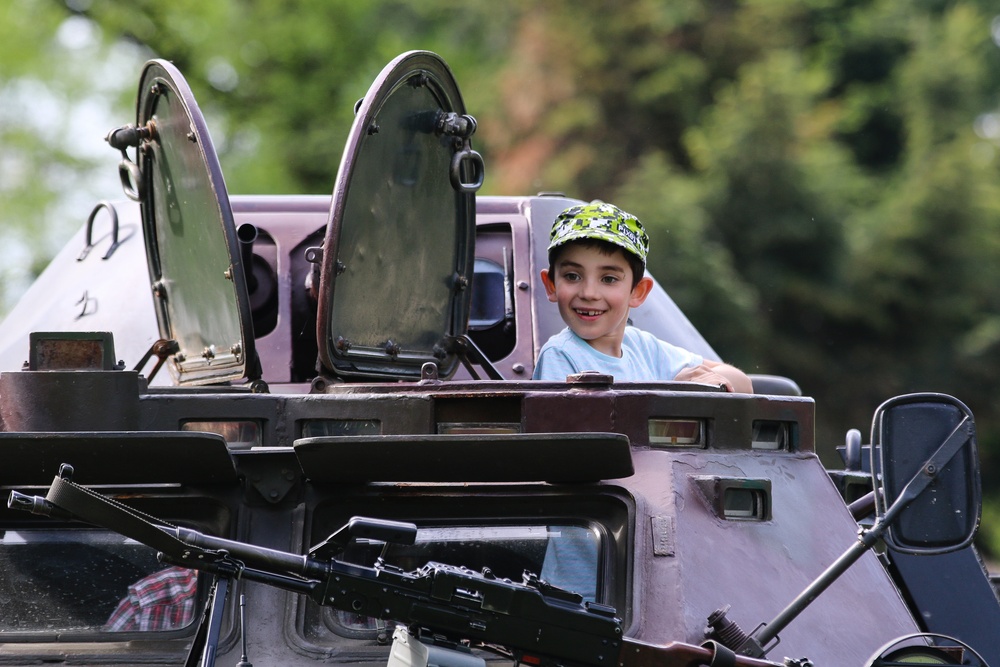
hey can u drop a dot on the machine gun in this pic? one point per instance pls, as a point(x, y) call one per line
point(534, 622)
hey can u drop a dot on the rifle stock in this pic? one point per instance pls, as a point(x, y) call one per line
point(635, 653)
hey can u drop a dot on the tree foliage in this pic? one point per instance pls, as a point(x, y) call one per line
point(820, 178)
point(46, 69)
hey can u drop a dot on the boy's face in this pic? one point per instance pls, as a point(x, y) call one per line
point(594, 293)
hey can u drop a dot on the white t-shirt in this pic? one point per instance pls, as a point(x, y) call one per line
point(645, 358)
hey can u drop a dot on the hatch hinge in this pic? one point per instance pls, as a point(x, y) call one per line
point(162, 350)
point(470, 354)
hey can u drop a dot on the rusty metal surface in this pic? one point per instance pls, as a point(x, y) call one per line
point(71, 351)
point(69, 400)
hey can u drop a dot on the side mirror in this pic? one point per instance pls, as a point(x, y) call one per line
point(925, 460)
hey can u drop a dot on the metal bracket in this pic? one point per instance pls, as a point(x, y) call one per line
point(115, 241)
point(272, 480)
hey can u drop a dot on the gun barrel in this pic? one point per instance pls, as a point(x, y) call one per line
point(269, 560)
point(36, 505)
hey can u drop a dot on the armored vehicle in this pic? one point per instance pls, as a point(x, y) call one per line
point(301, 430)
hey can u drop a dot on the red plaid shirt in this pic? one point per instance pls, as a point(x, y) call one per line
point(163, 600)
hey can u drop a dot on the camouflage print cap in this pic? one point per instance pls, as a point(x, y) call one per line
point(604, 222)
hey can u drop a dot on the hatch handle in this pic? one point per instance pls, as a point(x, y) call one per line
point(128, 174)
point(128, 171)
point(478, 170)
point(462, 127)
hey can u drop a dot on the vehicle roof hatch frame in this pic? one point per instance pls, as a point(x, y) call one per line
point(397, 261)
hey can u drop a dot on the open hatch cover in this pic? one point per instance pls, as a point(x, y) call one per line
point(398, 253)
point(199, 288)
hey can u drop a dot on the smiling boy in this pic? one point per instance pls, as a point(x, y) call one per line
point(596, 274)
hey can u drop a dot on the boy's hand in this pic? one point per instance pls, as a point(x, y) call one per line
point(704, 375)
point(722, 375)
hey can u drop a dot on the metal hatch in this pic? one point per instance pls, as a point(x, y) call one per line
point(199, 288)
point(398, 252)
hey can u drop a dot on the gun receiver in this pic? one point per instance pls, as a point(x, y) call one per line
point(456, 602)
point(537, 623)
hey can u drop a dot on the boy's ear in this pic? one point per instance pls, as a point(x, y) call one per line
point(550, 286)
point(640, 292)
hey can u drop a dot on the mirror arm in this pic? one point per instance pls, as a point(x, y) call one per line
point(755, 644)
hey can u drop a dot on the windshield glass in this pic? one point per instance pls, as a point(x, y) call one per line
point(89, 581)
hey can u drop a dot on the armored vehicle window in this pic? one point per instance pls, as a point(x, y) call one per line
point(491, 316)
point(487, 295)
point(314, 428)
point(578, 543)
point(566, 556)
point(81, 582)
point(239, 433)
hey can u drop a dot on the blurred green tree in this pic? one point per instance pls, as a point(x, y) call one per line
point(820, 178)
point(51, 87)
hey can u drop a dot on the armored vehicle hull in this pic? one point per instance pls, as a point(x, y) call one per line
point(248, 375)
